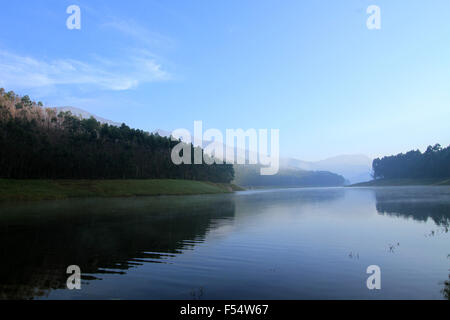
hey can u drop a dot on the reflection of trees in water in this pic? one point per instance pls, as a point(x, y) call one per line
point(101, 236)
point(446, 290)
point(294, 196)
point(419, 206)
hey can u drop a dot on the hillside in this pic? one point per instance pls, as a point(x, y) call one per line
point(42, 143)
point(249, 176)
point(431, 167)
point(434, 163)
point(354, 168)
point(83, 114)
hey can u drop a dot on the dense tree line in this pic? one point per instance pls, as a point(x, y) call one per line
point(433, 163)
point(37, 142)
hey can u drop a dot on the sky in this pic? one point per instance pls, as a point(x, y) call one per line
point(311, 69)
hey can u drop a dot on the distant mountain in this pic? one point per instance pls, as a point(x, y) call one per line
point(249, 176)
point(162, 133)
point(86, 115)
point(355, 168)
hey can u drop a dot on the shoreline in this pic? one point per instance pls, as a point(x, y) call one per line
point(39, 189)
point(403, 182)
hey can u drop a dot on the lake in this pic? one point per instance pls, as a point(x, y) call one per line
point(266, 244)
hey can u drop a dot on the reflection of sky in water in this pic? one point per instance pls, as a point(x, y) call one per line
point(289, 244)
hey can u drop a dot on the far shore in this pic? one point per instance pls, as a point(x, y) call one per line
point(35, 190)
point(403, 182)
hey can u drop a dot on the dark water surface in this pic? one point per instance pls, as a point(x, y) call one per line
point(272, 244)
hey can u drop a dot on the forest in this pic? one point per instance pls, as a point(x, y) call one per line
point(433, 163)
point(40, 143)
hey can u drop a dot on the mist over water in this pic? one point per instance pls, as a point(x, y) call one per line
point(272, 244)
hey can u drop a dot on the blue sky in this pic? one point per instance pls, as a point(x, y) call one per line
point(309, 68)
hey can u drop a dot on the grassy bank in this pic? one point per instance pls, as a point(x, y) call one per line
point(30, 190)
point(403, 182)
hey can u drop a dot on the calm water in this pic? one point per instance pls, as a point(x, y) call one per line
point(272, 244)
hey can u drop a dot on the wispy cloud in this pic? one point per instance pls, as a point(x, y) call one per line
point(142, 36)
point(19, 71)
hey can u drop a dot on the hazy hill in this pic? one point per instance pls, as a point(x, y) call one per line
point(86, 115)
point(355, 168)
point(249, 176)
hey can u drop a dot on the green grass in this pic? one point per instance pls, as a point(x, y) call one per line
point(403, 182)
point(30, 190)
